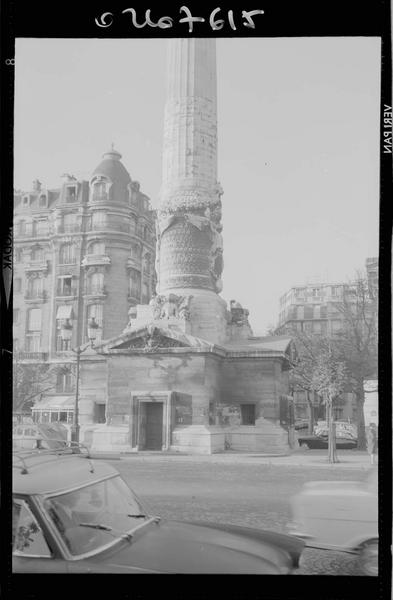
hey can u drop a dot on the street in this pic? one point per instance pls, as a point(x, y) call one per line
point(243, 492)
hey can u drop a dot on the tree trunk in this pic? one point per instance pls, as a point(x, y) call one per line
point(362, 441)
point(332, 452)
point(310, 413)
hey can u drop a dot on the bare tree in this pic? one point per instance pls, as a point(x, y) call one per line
point(30, 381)
point(330, 379)
point(357, 342)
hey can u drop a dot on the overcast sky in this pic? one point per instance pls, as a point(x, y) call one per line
point(298, 145)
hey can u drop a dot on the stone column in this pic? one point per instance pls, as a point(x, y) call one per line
point(189, 244)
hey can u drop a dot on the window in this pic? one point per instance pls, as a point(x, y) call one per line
point(99, 189)
point(95, 311)
point(35, 287)
point(15, 316)
point(41, 227)
point(99, 220)
point(99, 411)
point(17, 285)
point(96, 283)
point(64, 382)
point(22, 227)
point(132, 225)
point(27, 536)
point(323, 312)
point(17, 254)
point(33, 342)
point(145, 293)
point(135, 284)
point(70, 193)
point(97, 248)
point(15, 345)
point(248, 414)
point(308, 312)
point(26, 200)
point(67, 254)
point(315, 291)
point(37, 254)
point(34, 319)
point(316, 327)
point(43, 201)
point(69, 223)
point(64, 286)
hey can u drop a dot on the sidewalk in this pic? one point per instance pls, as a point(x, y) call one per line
point(353, 459)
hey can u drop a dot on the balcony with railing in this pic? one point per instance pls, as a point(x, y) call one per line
point(68, 228)
point(95, 259)
point(36, 295)
point(66, 292)
point(37, 265)
point(35, 356)
point(95, 290)
point(109, 226)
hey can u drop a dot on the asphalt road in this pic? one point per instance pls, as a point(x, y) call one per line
point(251, 494)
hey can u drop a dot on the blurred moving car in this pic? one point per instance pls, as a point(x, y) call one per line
point(44, 435)
point(340, 515)
point(72, 514)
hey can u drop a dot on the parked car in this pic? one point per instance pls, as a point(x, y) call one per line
point(321, 441)
point(32, 435)
point(340, 515)
point(72, 514)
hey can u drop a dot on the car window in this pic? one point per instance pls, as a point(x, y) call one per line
point(27, 536)
point(108, 504)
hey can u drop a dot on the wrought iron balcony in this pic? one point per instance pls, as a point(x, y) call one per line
point(66, 292)
point(37, 265)
point(70, 228)
point(36, 295)
point(39, 356)
point(96, 290)
point(95, 259)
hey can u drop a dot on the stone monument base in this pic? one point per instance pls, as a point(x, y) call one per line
point(198, 439)
point(265, 436)
point(111, 438)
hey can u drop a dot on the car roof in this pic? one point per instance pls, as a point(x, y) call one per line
point(52, 472)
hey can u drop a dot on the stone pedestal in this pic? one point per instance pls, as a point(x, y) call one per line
point(265, 436)
point(198, 439)
point(111, 438)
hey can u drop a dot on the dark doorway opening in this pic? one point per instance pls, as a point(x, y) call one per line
point(154, 418)
point(248, 414)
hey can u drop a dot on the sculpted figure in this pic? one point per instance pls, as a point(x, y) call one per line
point(184, 307)
point(156, 304)
point(169, 307)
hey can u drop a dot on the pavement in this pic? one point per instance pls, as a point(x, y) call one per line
point(297, 458)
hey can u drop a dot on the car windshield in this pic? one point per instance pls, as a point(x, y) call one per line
point(92, 516)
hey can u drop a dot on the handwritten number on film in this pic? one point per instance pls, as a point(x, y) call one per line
point(107, 19)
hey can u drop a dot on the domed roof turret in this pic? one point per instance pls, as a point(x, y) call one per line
point(115, 171)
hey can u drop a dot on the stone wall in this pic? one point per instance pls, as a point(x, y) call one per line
point(182, 372)
point(249, 380)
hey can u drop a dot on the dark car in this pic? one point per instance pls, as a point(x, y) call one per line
point(72, 514)
point(321, 441)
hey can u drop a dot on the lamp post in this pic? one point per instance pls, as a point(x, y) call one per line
point(66, 334)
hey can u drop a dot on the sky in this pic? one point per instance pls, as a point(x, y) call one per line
point(298, 145)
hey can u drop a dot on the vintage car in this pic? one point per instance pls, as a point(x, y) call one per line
point(315, 442)
point(30, 435)
point(72, 514)
point(340, 515)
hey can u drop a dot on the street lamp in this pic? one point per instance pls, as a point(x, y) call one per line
point(66, 335)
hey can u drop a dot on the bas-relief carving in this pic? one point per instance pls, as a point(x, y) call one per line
point(166, 307)
point(198, 263)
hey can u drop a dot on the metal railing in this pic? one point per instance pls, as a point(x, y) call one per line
point(31, 355)
point(35, 295)
point(66, 291)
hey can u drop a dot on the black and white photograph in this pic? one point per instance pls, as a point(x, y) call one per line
point(195, 302)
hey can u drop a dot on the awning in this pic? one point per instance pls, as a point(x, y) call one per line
point(55, 403)
point(64, 311)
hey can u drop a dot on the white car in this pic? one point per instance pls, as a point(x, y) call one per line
point(340, 515)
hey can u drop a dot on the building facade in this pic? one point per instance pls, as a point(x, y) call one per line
point(84, 250)
point(316, 309)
